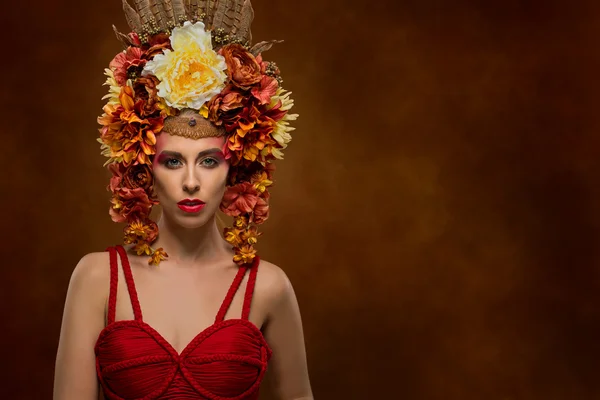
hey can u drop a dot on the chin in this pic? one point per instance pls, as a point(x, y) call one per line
point(191, 221)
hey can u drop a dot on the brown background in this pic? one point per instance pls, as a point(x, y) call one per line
point(438, 209)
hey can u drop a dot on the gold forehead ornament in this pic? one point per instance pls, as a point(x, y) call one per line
point(190, 124)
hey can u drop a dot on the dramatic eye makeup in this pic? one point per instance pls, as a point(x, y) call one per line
point(209, 158)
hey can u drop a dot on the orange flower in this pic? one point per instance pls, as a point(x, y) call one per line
point(250, 235)
point(128, 135)
point(244, 255)
point(142, 248)
point(238, 199)
point(136, 230)
point(261, 181)
point(232, 236)
point(242, 68)
point(240, 222)
point(157, 256)
point(145, 88)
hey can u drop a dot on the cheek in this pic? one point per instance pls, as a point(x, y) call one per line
point(218, 180)
point(163, 184)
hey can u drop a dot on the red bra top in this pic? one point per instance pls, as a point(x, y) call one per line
point(226, 361)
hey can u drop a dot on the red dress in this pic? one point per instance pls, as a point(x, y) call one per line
point(226, 361)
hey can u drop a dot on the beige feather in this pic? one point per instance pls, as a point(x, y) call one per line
point(201, 6)
point(201, 9)
point(159, 13)
point(208, 9)
point(122, 38)
point(245, 22)
point(263, 46)
point(170, 14)
point(193, 9)
point(187, 6)
point(144, 10)
point(224, 14)
point(178, 10)
point(132, 17)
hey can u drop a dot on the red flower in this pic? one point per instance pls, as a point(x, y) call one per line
point(261, 211)
point(139, 176)
point(263, 64)
point(126, 62)
point(229, 99)
point(238, 199)
point(159, 39)
point(266, 89)
point(135, 39)
point(117, 170)
point(130, 204)
point(157, 48)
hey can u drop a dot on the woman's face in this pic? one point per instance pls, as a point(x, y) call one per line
point(189, 178)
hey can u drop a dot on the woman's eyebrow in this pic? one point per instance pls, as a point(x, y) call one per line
point(203, 153)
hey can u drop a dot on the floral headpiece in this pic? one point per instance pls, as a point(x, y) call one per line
point(186, 62)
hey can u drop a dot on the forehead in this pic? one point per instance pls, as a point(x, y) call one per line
point(187, 146)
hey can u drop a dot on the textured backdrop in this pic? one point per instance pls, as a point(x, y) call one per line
point(437, 212)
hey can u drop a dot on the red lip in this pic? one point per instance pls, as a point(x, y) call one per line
point(191, 205)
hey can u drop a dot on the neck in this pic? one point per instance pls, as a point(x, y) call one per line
point(198, 246)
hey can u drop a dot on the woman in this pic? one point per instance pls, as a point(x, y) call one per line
point(194, 119)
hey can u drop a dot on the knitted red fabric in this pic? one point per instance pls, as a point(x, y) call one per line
point(226, 361)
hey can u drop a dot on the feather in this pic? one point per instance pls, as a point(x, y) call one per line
point(159, 13)
point(208, 9)
point(224, 14)
point(242, 28)
point(202, 6)
point(122, 38)
point(193, 9)
point(179, 11)
point(144, 11)
point(170, 15)
point(132, 17)
point(188, 7)
point(201, 9)
point(263, 46)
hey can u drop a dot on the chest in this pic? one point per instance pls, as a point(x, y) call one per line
point(179, 304)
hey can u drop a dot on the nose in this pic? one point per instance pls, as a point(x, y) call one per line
point(190, 183)
point(191, 189)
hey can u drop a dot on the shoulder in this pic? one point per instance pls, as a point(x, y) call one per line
point(91, 275)
point(272, 283)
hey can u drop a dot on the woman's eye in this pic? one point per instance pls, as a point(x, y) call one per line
point(172, 163)
point(209, 162)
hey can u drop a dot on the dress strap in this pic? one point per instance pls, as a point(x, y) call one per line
point(250, 288)
point(137, 311)
point(230, 293)
point(114, 281)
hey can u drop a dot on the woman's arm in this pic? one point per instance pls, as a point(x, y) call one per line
point(83, 319)
point(283, 331)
